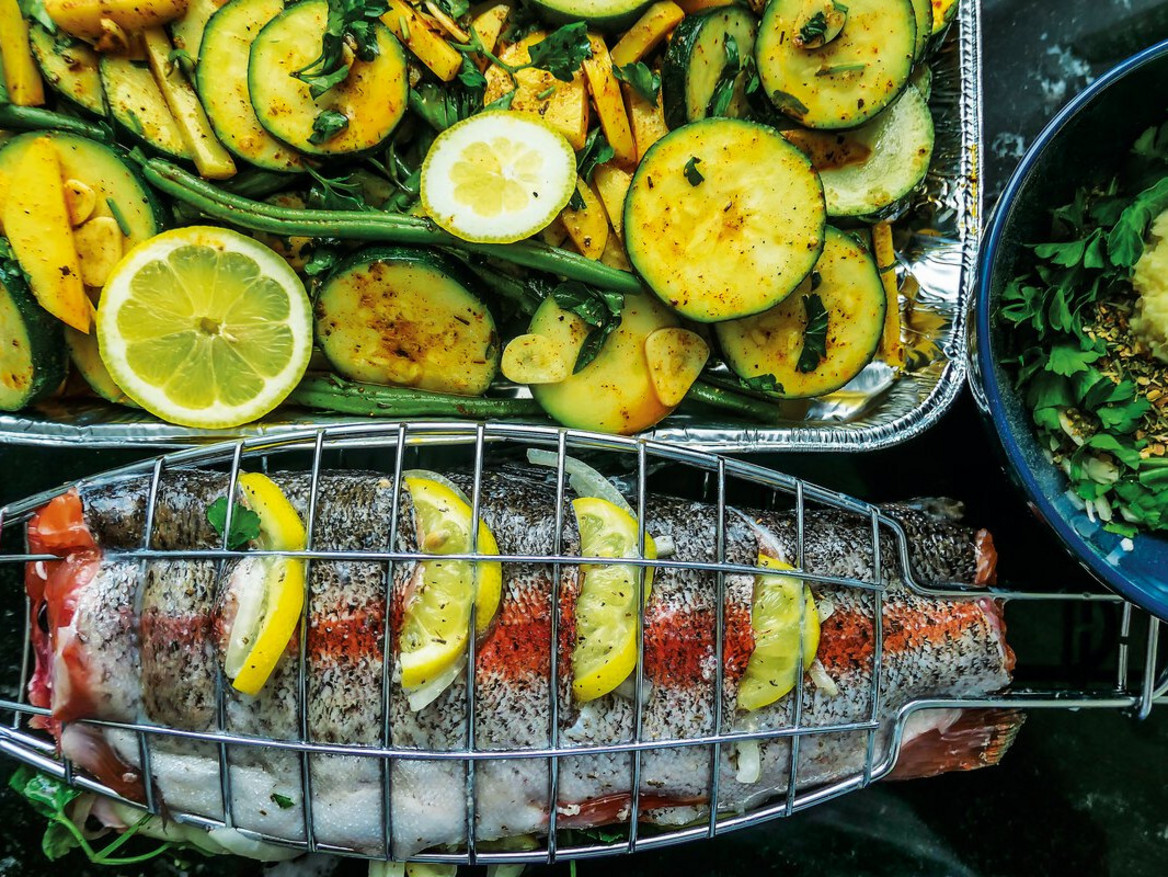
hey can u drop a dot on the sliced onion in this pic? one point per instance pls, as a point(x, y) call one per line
point(582, 478)
point(749, 762)
point(822, 680)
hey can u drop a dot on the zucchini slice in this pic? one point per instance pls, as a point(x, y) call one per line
point(32, 357)
point(923, 14)
point(850, 79)
point(120, 192)
point(704, 49)
point(614, 393)
point(187, 32)
point(69, 66)
point(372, 98)
point(872, 167)
point(723, 219)
point(136, 104)
point(221, 78)
point(389, 315)
point(848, 284)
point(600, 14)
point(86, 359)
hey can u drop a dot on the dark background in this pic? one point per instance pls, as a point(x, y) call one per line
point(1080, 793)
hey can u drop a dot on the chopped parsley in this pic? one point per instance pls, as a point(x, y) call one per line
point(326, 126)
point(814, 336)
point(643, 80)
point(692, 173)
point(245, 524)
point(596, 307)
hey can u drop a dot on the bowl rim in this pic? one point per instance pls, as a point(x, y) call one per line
point(989, 394)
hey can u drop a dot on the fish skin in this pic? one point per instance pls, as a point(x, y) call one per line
point(944, 648)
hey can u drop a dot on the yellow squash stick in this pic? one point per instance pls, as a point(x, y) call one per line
point(648, 121)
point(644, 36)
point(433, 51)
point(614, 119)
point(213, 161)
point(890, 345)
point(21, 76)
point(587, 227)
point(36, 221)
point(612, 185)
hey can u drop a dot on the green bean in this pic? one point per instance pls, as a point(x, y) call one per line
point(36, 119)
point(373, 226)
point(739, 404)
point(525, 299)
point(373, 400)
point(257, 183)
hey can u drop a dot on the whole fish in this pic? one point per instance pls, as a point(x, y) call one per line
point(130, 640)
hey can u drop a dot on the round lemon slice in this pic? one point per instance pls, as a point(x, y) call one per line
point(497, 177)
point(436, 625)
point(607, 613)
point(205, 327)
point(774, 616)
point(273, 594)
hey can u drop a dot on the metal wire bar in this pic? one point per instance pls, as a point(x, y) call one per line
point(891, 568)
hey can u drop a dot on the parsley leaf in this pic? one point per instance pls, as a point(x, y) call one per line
point(597, 150)
point(245, 524)
point(598, 308)
point(692, 173)
point(789, 103)
point(814, 336)
point(282, 801)
point(326, 126)
point(349, 21)
point(1125, 244)
point(562, 52)
point(762, 384)
point(723, 94)
point(643, 80)
point(1067, 359)
point(35, 10)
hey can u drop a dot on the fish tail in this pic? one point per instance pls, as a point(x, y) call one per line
point(974, 738)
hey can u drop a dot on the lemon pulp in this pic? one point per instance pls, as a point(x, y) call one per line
point(775, 614)
point(205, 327)
point(436, 625)
point(607, 608)
point(271, 606)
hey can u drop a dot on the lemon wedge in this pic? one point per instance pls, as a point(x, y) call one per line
point(774, 617)
point(205, 327)
point(607, 613)
point(436, 625)
point(497, 177)
point(270, 604)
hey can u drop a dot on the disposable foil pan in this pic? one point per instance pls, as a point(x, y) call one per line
point(876, 410)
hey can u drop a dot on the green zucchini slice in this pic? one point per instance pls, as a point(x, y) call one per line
point(69, 66)
point(136, 103)
point(600, 14)
point(923, 15)
point(389, 315)
point(32, 355)
point(848, 285)
point(850, 79)
point(86, 359)
point(705, 49)
point(723, 219)
point(613, 393)
point(222, 81)
point(121, 193)
point(187, 32)
point(372, 98)
point(872, 167)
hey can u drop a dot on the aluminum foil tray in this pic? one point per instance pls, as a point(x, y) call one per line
point(937, 240)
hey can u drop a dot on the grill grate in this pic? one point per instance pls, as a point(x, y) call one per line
point(1135, 681)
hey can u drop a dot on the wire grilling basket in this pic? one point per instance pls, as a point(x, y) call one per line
point(1108, 658)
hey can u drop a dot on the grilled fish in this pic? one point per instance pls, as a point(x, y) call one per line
point(129, 640)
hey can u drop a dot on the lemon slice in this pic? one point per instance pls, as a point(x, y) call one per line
point(271, 602)
point(607, 614)
point(437, 614)
point(774, 616)
point(497, 177)
point(204, 327)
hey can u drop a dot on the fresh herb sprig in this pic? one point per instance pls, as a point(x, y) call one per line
point(245, 524)
point(1090, 392)
point(351, 24)
point(814, 336)
point(560, 53)
point(598, 308)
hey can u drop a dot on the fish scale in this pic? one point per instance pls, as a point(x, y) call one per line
point(934, 647)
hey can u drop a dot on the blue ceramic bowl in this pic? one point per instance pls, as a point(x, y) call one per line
point(1088, 138)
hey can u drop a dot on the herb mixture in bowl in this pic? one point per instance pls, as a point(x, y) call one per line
point(1090, 351)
